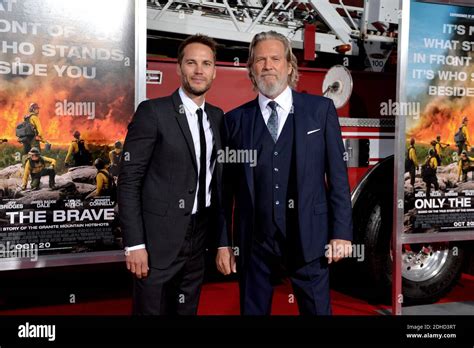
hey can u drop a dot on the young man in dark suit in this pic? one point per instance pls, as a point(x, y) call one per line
point(168, 186)
point(292, 211)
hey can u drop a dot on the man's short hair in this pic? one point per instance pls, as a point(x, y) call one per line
point(198, 38)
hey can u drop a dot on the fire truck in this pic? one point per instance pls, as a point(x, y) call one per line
point(332, 30)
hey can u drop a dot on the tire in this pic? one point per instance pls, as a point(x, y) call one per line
point(421, 284)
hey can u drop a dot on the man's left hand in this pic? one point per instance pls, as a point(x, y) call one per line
point(338, 249)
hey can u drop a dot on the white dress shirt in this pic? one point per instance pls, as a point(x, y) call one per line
point(190, 109)
point(284, 105)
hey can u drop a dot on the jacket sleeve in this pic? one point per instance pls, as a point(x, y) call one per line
point(138, 151)
point(226, 208)
point(339, 199)
point(52, 161)
point(37, 124)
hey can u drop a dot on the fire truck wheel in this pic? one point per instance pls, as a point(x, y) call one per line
point(428, 271)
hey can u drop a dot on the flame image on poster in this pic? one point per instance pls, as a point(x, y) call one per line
point(67, 76)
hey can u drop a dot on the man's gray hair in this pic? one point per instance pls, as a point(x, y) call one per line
point(290, 57)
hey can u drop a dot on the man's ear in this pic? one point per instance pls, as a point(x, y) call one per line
point(178, 69)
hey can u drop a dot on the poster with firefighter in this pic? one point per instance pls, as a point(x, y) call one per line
point(67, 77)
point(439, 105)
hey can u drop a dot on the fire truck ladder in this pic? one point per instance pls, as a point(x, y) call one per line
point(337, 25)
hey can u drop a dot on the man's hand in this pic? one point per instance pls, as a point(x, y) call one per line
point(338, 249)
point(137, 262)
point(23, 188)
point(225, 261)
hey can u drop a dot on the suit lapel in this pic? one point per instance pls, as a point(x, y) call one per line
point(183, 124)
point(217, 141)
point(301, 125)
point(248, 123)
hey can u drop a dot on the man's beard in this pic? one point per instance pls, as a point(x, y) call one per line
point(197, 92)
point(270, 88)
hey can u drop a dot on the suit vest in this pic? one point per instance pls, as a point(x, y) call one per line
point(275, 180)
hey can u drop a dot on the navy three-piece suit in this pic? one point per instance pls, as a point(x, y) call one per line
point(281, 213)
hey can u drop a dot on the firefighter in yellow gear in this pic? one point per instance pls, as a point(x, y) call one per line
point(103, 180)
point(465, 165)
point(428, 172)
point(115, 156)
point(412, 161)
point(463, 143)
point(33, 118)
point(440, 146)
point(36, 167)
point(78, 151)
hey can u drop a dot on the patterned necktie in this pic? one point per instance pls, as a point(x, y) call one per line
point(272, 123)
point(202, 164)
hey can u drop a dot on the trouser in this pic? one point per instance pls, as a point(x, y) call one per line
point(176, 289)
point(36, 178)
point(431, 181)
point(310, 281)
point(28, 144)
point(412, 175)
point(461, 146)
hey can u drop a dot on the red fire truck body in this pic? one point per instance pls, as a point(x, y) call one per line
point(368, 131)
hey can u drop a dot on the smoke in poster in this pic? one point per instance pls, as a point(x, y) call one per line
point(67, 73)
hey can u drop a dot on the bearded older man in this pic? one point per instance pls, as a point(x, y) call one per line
point(292, 211)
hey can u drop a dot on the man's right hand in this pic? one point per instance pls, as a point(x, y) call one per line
point(225, 261)
point(137, 262)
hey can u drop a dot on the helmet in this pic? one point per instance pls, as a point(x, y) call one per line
point(118, 144)
point(76, 134)
point(33, 107)
point(99, 163)
point(34, 151)
point(464, 119)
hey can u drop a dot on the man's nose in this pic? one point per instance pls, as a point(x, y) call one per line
point(198, 69)
point(267, 64)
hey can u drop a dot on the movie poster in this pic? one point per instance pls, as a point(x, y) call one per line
point(439, 90)
point(67, 77)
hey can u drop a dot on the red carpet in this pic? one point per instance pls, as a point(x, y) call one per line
point(222, 299)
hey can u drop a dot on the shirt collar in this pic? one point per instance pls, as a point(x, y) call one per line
point(189, 103)
point(284, 100)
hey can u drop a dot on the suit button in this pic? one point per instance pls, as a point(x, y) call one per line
point(191, 191)
point(275, 169)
